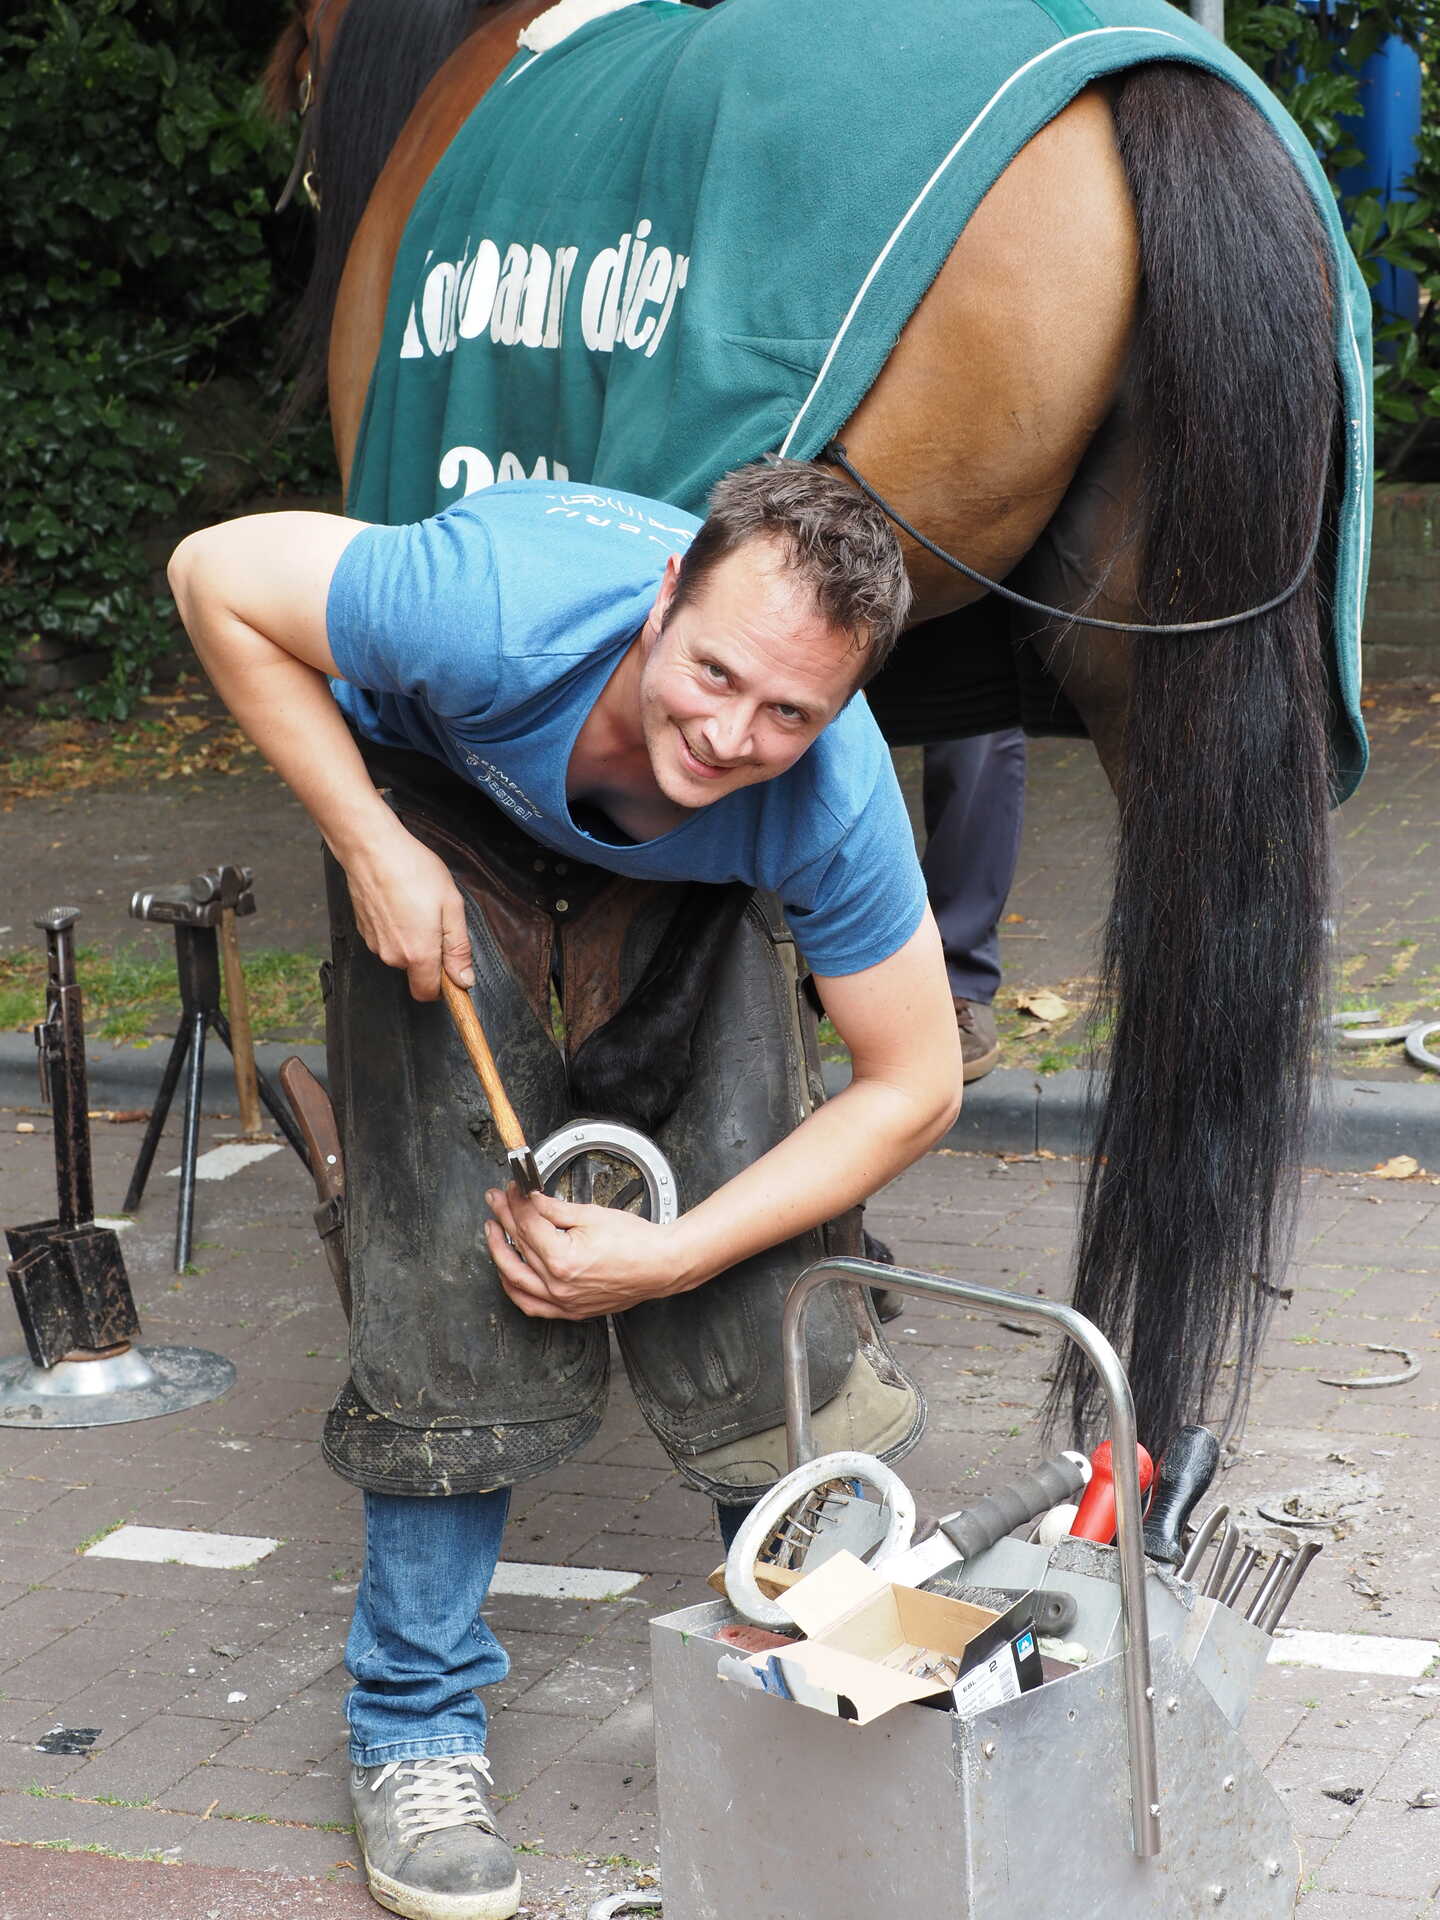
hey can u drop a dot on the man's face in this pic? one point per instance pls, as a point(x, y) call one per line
point(737, 682)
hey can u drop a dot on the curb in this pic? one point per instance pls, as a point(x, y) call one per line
point(1356, 1123)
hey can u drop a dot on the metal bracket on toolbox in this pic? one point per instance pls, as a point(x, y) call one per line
point(1130, 1544)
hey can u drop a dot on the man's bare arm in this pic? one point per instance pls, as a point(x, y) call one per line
point(253, 596)
point(898, 1021)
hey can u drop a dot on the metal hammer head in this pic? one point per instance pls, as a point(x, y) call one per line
point(198, 902)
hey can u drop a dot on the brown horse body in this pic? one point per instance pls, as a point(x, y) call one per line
point(1024, 422)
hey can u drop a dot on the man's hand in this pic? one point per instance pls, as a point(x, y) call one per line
point(409, 911)
point(573, 1262)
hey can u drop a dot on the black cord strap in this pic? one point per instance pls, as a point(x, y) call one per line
point(835, 453)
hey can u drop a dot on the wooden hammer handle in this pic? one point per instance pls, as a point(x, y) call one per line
point(467, 1021)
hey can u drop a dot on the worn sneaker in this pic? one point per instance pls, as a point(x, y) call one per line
point(979, 1041)
point(428, 1839)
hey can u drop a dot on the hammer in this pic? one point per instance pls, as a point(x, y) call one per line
point(523, 1170)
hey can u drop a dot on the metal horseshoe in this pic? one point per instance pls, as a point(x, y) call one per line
point(560, 1151)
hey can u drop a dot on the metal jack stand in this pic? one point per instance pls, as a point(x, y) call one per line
point(196, 909)
point(68, 1275)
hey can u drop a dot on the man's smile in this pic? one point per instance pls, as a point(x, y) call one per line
point(696, 763)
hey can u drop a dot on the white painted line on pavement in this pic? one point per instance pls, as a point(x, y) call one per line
point(220, 1162)
point(561, 1583)
point(1354, 1652)
point(177, 1543)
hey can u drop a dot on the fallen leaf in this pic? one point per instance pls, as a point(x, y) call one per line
point(1018, 919)
point(1404, 1166)
point(1043, 1004)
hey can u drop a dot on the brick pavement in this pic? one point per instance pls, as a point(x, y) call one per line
point(248, 1794)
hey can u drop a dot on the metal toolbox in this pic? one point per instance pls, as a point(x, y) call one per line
point(1122, 1792)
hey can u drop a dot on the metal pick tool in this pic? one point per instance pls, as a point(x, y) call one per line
point(1230, 1540)
point(1200, 1545)
point(1271, 1620)
point(1269, 1587)
point(1235, 1584)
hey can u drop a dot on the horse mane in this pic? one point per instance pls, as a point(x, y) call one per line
point(1215, 979)
point(384, 55)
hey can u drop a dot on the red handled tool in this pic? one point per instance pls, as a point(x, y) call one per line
point(1096, 1518)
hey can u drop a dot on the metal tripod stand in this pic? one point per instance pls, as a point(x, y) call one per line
point(83, 1368)
point(195, 909)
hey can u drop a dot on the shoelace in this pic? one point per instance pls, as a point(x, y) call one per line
point(438, 1791)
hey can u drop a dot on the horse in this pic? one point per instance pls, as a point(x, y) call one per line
point(1071, 407)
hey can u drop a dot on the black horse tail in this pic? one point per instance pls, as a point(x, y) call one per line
point(1214, 966)
point(384, 55)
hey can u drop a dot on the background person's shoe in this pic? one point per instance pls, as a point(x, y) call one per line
point(429, 1842)
point(979, 1041)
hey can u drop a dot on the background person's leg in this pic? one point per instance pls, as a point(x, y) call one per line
point(418, 1645)
point(974, 801)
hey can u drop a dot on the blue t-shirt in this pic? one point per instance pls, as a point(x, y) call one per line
point(484, 636)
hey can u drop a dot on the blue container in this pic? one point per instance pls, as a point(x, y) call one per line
point(1387, 132)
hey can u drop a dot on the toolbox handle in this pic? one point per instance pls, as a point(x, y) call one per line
point(1129, 1537)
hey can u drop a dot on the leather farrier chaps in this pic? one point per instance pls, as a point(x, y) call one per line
point(452, 1388)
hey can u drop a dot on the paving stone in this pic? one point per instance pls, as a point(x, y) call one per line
point(226, 1790)
point(21, 1766)
point(568, 1803)
point(584, 1687)
point(1388, 1850)
point(36, 1620)
point(317, 1799)
point(292, 1739)
point(522, 1745)
point(626, 1736)
point(1301, 1775)
point(117, 1704)
point(1356, 1906)
point(145, 1763)
point(46, 1822)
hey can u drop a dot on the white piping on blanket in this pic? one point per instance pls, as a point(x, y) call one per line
point(1356, 422)
point(557, 23)
point(1091, 33)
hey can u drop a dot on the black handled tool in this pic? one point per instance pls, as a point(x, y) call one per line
point(1184, 1477)
point(961, 1536)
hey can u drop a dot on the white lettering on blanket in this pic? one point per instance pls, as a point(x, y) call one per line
point(519, 298)
point(470, 469)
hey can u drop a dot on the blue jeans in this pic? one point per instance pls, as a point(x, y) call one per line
point(418, 1646)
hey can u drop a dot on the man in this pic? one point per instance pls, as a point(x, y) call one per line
point(548, 688)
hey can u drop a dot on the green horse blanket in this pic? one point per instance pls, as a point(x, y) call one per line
point(677, 240)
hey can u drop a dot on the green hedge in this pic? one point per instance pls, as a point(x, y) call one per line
point(139, 288)
point(145, 284)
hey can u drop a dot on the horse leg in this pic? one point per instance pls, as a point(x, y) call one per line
point(1089, 556)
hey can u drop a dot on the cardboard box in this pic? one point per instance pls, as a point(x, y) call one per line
point(864, 1635)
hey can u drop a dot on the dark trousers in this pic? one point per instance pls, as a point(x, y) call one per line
point(974, 797)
